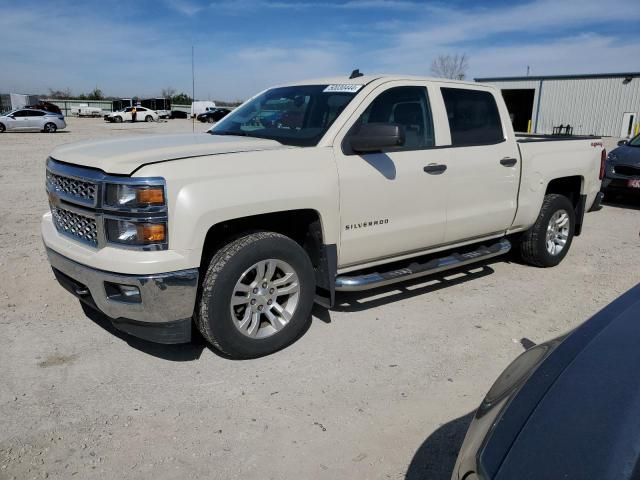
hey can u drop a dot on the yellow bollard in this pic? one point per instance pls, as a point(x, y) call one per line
point(529, 126)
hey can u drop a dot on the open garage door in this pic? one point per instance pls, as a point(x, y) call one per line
point(520, 105)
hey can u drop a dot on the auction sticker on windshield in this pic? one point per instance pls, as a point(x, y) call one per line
point(342, 88)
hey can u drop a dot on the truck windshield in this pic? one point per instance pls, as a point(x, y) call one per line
point(296, 115)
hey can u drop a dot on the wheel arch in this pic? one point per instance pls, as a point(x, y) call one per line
point(304, 226)
point(571, 187)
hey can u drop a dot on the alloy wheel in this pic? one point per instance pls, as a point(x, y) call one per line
point(265, 298)
point(557, 232)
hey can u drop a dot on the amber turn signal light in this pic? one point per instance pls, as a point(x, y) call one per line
point(150, 196)
point(151, 233)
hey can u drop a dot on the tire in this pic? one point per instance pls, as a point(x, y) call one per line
point(537, 243)
point(148, 118)
point(50, 127)
point(117, 119)
point(210, 120)
point(2, 128)
point(232, 267)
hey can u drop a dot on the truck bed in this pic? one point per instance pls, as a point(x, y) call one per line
point(535, 137)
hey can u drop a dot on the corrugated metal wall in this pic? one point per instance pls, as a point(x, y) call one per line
point(590, 105)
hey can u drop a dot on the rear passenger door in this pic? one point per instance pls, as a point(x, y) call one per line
point(483, 165)
point(35, 119)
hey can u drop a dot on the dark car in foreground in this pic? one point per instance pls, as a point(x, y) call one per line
point(213, 115)
point(565, 409)
point(622, 173)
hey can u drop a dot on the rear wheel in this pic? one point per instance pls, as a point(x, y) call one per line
point(548, 241)
point(50, 127)
point(210, 120)
point(256, 296)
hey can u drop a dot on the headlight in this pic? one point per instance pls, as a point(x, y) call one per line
point(131, 197)
point(136, 233)
point(612, 157)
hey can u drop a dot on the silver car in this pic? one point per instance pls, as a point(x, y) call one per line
point(31, 119)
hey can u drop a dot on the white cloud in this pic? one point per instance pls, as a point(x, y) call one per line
point(186, 7)
point(123, 57)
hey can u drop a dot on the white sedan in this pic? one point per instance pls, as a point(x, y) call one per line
point(142, 114)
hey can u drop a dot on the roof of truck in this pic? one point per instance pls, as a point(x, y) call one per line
point(365, 79)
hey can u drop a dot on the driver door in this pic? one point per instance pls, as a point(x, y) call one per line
point(390, 204)
point(20, 121)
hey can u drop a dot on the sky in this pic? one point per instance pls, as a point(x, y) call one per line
point(130, 47)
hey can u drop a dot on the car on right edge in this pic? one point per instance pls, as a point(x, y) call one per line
point(564, 409)
point(622, 173)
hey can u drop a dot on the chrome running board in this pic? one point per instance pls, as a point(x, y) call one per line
point(354, 283)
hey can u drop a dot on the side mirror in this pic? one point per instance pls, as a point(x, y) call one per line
point(622, 142)
point(373, 137)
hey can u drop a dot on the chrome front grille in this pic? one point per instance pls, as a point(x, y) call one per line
point(79, 208)
point(81, 227)
point(80, 190)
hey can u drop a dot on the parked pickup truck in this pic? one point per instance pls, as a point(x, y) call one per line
point(307, 189)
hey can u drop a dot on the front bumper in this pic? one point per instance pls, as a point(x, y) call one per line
point(161, 311)
point(618, 184)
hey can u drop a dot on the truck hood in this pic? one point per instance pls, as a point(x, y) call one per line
point(125, 155)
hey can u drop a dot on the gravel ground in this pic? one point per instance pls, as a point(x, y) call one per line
point(380, 387)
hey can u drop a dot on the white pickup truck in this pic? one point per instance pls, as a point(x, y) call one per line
point(307, 189)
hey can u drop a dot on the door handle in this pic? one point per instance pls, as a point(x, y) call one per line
point(435, 168)
point(508, 161)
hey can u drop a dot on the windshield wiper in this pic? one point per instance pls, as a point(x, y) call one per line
point(236, 134)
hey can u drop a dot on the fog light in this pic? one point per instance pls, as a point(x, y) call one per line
point(122, 293)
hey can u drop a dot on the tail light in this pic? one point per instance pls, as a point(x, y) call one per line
point(603, 163)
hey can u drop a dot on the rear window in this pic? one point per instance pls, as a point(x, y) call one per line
point(473, 117)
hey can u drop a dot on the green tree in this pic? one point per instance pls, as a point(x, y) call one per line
point(60, 94)
point(168, 92)
point(181, 99)
point(96, 94)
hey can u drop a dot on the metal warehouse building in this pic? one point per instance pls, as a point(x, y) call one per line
point(606, 104)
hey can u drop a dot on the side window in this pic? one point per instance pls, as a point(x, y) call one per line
point(405, 106)
point(128, 109)
point(35, 113)
point(473, 117)
point(20, 113)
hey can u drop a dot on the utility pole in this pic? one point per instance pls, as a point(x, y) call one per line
point(528, 70)
point(193, 90)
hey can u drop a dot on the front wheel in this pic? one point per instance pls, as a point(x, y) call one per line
point(256, 296)
point(148, 118)
point(2, 128)
point(210, 120)
point(548, 241)
point(117, 119)
point(50, 127)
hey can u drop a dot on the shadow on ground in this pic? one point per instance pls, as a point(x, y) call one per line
point(436, 457)
point(358, 301)
point(623, 201)
point(345, 302)
point(184, 352)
